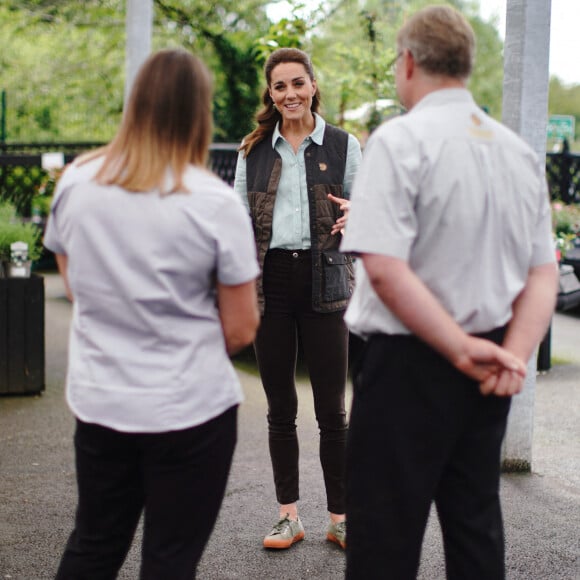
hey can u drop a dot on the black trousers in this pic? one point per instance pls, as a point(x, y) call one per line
point(178, 478)
point(420, 431)
point(324, 337)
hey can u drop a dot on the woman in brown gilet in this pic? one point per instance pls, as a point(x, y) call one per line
point(294, 173)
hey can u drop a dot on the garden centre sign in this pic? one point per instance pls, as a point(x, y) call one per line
point(561, 127)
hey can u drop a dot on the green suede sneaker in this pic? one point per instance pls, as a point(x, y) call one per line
point(337, 533)
point(285, 533)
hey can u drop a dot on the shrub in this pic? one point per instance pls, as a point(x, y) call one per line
point(14, 229)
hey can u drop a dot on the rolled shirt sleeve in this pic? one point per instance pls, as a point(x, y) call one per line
point(240, 181)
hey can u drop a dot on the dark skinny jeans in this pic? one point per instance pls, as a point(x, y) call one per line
point(324, 338)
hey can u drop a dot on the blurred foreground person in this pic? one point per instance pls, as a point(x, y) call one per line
point(159, 258)
point(455, 289)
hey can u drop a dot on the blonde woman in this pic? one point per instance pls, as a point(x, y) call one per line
point(158, 256)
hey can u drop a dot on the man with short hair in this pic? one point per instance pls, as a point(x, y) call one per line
point(455, 288)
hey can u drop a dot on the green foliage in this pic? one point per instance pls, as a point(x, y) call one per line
point(283, 34)
point(17, 185)
point(62, 70)
point(354, 50)
point(229, 51)
point(13, 229)
point(565, 100)
point(565, 225)
point(61, 76)
point(62, 63)
point(41, 205)
point(42, 200)
point(565, 218)
point(486, 81)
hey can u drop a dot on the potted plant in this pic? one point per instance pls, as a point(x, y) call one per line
point(566, 226)
point(14, 229)
point(42, 199)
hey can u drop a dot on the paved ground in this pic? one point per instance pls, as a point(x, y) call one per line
point(37, 484)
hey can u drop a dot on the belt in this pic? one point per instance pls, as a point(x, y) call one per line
point(289, 253)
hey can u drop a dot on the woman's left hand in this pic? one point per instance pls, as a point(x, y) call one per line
point(340, 223)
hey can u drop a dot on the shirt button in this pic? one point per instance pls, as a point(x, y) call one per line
point(294, 254)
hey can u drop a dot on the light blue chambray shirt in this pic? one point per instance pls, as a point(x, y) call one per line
point(291, 219)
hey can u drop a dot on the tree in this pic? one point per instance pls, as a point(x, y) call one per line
point(487, 80)
point(565, 100)
point(354, 50)
point(62, 63)
point(66, 55)
point(224, 32)
point(352, 55)
point(62, 75)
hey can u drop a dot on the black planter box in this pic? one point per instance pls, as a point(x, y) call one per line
point(21, 335)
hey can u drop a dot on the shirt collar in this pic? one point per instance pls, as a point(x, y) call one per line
point(317, 134)
point(443, 97)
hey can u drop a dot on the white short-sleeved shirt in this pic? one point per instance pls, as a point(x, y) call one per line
point(459, 197)
point(147, 352)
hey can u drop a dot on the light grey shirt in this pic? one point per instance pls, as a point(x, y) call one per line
point(291, 219)
point(147, 352)
point(459, 197)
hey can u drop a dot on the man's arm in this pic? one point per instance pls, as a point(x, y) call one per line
point(403, 292)
point(532, 312)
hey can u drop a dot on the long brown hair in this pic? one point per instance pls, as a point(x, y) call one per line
point(167, 124)
point(268, 116)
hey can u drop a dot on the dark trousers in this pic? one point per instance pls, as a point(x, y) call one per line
point(178, 478)
point(324, 337)
point(420, 431)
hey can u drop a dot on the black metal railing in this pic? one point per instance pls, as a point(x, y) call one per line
point(563, 173)
point(222, 160)
point(22, 175)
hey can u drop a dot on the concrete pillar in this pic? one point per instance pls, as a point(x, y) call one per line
point(525, 110)
point(139, 26)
